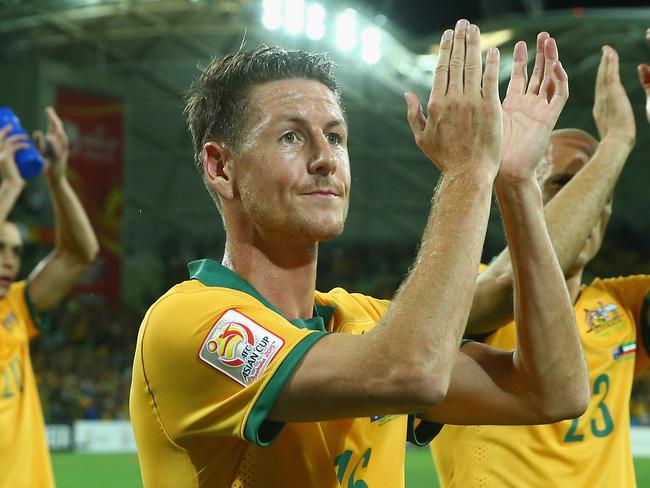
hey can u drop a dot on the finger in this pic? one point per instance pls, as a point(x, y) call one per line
point(473, 63)
point(491, 76)
point(519, 75)
point(561, 81)
point(414, 114)
point(551, 56)
point(644, 77)
point(611, 73)
point(16, 138)
point(647, 35)
point(441, 78)
point(4, 131)
point(17, 146)
point(457, 61)
point(602, 69)
point(54, 124)
point(39, 141)
point(538, 69)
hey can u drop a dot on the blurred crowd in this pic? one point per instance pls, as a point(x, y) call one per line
point(84, 355)
point(83, 360)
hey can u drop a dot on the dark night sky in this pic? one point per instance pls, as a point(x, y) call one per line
point(423, 16)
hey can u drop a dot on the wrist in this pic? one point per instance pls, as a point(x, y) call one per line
point(477, 178)
point(504, 181)
point(618, 141)
point(506, 187)
point(16, 184)
point(55, 180)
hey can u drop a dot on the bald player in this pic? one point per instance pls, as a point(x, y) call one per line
point(24, 457)
point(577, 177)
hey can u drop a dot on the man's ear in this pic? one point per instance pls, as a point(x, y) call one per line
point(218, 170)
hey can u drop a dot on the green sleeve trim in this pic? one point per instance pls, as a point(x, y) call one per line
point(423, 433)
point(645, 326)
point(258, 429)
point(39, 321)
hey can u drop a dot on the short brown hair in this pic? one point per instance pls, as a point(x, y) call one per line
point(215, 104)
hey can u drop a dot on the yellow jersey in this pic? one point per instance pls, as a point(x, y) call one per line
point(24, 457)
point(590, 451)
point(212, 356)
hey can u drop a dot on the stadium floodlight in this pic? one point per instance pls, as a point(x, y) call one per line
point(370, 54)
point(272, 17)
point(346, 30)
point(370, 45)
point(294, 16)
point(315, 28)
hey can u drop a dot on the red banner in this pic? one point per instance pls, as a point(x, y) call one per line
point(94, 125)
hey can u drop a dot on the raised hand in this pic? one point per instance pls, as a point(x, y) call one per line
point(531, 108)
point(463, 129)
point(9, 145)
point(612, 109)
point(53, 145)
point(644, 77)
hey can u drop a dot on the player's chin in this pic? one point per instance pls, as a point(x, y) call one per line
point(4, 289)
point(322, 227)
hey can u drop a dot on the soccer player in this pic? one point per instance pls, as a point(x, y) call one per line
point(24, 458)
point(246, 376)
point(593, 450)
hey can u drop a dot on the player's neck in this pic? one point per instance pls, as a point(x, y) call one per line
point(283, 273)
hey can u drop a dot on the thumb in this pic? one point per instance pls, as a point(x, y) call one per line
point(644, 77)
point(39, 141)
point(414, 114)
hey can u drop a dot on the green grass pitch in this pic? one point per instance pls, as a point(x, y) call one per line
point(121, 470)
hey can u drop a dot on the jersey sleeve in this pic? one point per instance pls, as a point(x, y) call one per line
point(21, 304)
point(215, 363)
point(634, 293)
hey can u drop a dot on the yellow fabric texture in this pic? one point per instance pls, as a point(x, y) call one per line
point(591, 451)
point(191, 420)
point(24, 457)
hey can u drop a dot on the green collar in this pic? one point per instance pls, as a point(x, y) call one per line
point(212, 273)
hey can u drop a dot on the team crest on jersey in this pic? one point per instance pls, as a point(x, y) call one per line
point(602, 317)
point(9, 322)
point(240, 347)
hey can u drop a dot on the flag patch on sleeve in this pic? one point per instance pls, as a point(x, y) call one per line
point(240, 347)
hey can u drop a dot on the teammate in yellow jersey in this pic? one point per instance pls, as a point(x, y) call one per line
point(24, 458)
point(592, 450)
point(245, 376)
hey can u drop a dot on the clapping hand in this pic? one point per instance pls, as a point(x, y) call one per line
point(53, 145)
point(531, 108)
point(462, 131)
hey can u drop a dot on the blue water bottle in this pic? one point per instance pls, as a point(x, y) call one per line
point(29, 161)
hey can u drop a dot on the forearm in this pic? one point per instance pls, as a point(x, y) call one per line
point(548, 360)
point(9, 193)
point(572, 214)
point(429, 312)
point(74, 234)
point(570, 217)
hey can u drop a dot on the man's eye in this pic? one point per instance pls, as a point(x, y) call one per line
point(334, 138)
point(289, 137)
